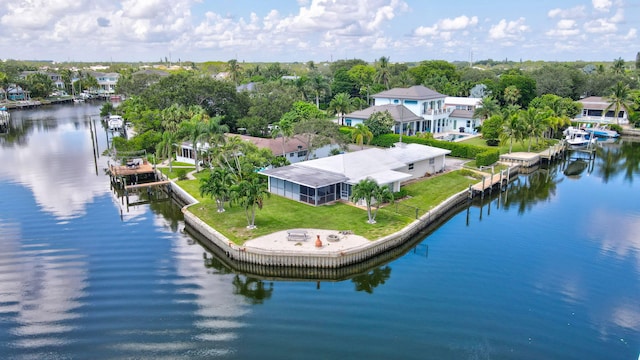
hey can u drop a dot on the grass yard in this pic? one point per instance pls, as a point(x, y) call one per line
point(517, 145)
point(279, 213)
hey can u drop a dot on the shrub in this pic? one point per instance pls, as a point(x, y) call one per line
point(487, 158)
point(182, 174)
point(400, 194)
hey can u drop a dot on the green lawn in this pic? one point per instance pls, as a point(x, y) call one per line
point(517, 145)
point(279, 213)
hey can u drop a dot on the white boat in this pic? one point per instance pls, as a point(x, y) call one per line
point(602, 131)
point(577, 138)
point(115, 122)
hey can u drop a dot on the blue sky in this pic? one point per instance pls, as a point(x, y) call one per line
point(319, 30)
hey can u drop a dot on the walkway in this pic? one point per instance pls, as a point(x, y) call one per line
point(278, 241)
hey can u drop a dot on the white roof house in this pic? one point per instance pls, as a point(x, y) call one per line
point(329, 179)
point(593, 112)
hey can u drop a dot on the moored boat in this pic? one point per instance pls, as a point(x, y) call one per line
point(602, 131)
point(577, 137)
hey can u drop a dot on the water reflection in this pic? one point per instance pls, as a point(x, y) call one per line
point(372, 279)
point(59, 169)
point(42, 289)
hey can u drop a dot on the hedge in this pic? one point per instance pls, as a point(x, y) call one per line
point(482, 155)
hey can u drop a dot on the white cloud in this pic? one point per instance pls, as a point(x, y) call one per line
point(632, 34)
point(600, 26)
point(509, 30)
point(602, 5)
point(444, 27)
point(574, 12)
point(564, 28)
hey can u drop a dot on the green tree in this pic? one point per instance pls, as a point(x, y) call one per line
point(361, 134)
point(369, 191)
point(319, 85)
point(363, 76)
point(165, 148)
point(39, 85)
point(194, 130)
point(316, 133)
point(383, 73)
point(618, 66)
point(434, 68)
point(234, 70)
point(619, 99)
point(491, 130)
point(380, 122)
point(511, 95)
point(284, 130)
point(535, 123)
point(250, 193)
point(218, 186)
point(488, 107)
point(341, 104)
point(512, 128)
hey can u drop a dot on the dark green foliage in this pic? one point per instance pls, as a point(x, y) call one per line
point(380, 123)
point(182, 174)
point(400, 194)
point(461, 150)
point(40, 85)
point(487, 158)
point(491, 129)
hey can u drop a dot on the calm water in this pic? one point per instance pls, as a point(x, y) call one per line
point(550, 270)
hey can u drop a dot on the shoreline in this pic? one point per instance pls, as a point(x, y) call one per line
point(274, 251)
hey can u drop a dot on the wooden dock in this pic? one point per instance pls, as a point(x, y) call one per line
point(146, 185)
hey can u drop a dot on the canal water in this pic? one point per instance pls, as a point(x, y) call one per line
point(549, 269)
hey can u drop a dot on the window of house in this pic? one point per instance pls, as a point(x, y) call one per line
point(411, 166)
point(291, 154)
point(347, 122)
point(432, 161)
point(302, 153)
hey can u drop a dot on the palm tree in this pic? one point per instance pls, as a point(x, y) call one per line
point(534, 123)
point(369, 190)
point(234, 70)
point(618, 66)
point(619, 99)
point(488, 107)
point(194, 130)
point(166, 145)
point(341, 104)
point(319, 84)
point(250, 193)
point(512, 129)
point(511, 94)
point(217, 186)
point(283, 128)
point(383, 74)
point(360, 134)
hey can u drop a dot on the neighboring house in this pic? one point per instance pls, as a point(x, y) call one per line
point(428, 111)
point(16, 93)
point(462, 114)
point(329, 179)
point(398, 112)
point(593, 112)
point(294, 149)
point(56, 78)
point(106, 82)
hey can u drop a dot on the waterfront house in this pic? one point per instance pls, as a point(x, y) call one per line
point(420, 109)
point(593, 112)
point(106, 82)
point(329, 179)
point(294, 149)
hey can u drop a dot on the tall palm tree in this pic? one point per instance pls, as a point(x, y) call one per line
point(341, 104)
point(383, 74)
point(361, 134)
point(319, 85)
point(619, 99)
point(234, 70)
point(511, 94)
point(283, 128)
point(166, 146)
point(512, 129)
point(194, 130)
point(534, 123)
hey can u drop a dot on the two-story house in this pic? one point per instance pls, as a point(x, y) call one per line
point(420, 109)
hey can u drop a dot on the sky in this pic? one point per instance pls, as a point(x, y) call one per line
point(318, 30)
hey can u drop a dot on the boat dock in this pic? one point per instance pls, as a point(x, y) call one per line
point(489, 182)
point(529, 159)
